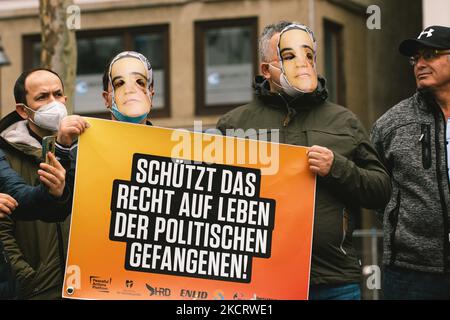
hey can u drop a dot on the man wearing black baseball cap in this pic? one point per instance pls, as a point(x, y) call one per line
point(435, 37)
point(413, 137)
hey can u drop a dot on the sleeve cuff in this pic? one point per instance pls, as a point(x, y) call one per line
point(338, 168)
point(64, 197)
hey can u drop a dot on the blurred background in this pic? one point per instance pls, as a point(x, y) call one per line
point(204, 56)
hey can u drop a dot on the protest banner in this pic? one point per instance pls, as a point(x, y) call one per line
point(171, 214)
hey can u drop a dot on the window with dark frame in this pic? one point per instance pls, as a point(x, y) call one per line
point(225, 64)
point(96, 48)
point(334, 61)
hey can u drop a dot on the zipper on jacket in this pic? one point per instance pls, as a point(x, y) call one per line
point(290, 111)
point(291, 114)
point(438, 118)
point(425, 139)
point(345, 222)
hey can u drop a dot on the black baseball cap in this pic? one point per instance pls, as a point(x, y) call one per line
point(436, 37)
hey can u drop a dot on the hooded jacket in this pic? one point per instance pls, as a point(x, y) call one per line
point(36, 249)
point(357, 177)
point(411, 139)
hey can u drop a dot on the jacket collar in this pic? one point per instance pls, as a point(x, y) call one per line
point(426, 101)
point(15, 134)
point(281, 100)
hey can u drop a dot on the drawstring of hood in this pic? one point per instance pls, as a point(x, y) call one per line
point(291, 111)
point(291, 114)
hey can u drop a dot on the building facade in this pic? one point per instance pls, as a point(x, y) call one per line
point(204, 52)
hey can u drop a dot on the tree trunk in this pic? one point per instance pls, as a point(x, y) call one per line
point(59, 47)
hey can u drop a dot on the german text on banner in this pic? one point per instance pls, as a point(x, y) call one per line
point(171, 214)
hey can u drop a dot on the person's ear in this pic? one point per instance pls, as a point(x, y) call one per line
point(105, 96)
point(21, 110)
point(265, 70)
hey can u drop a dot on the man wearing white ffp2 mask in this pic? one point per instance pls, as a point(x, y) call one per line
point(48, 116)
point(44, 102)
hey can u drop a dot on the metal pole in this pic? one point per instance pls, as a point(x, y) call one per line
point(374, 240)
point(374, 234)
point(311, 14)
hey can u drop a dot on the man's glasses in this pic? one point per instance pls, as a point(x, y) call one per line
point(427, 55)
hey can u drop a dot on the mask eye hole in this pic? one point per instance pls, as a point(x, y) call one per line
point(118, 84)
point(142, 83)
point(287, 57)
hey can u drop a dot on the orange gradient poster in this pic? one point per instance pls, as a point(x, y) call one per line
point(171, 214)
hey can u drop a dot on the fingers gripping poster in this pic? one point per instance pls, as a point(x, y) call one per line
point(172, 214)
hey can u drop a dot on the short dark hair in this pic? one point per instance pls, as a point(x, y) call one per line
point(267, 34)
point(20, 92)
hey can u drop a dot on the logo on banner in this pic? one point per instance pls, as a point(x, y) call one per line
point(161, 292)
point(218, 295)
point(256, 297)
point(193, 294)
point(128, 291)
point(100, 284)
point(238, 296)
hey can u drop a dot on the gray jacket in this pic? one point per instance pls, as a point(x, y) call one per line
point(411, 139)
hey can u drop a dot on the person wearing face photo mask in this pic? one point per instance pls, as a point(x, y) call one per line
point(36, 249)
point(130, 86)
point(127, 93)
point(290, 96)
point(107, 94)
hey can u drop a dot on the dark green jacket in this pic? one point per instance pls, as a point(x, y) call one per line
point(36, 249)
point(6, 277)
point(357, 177)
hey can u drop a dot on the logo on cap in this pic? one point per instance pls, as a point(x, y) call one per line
point(429, 33)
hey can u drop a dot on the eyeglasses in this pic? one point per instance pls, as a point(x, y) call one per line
point(427, 55)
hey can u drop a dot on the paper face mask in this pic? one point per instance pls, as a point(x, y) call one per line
point(131, 100)
point(297, 55)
